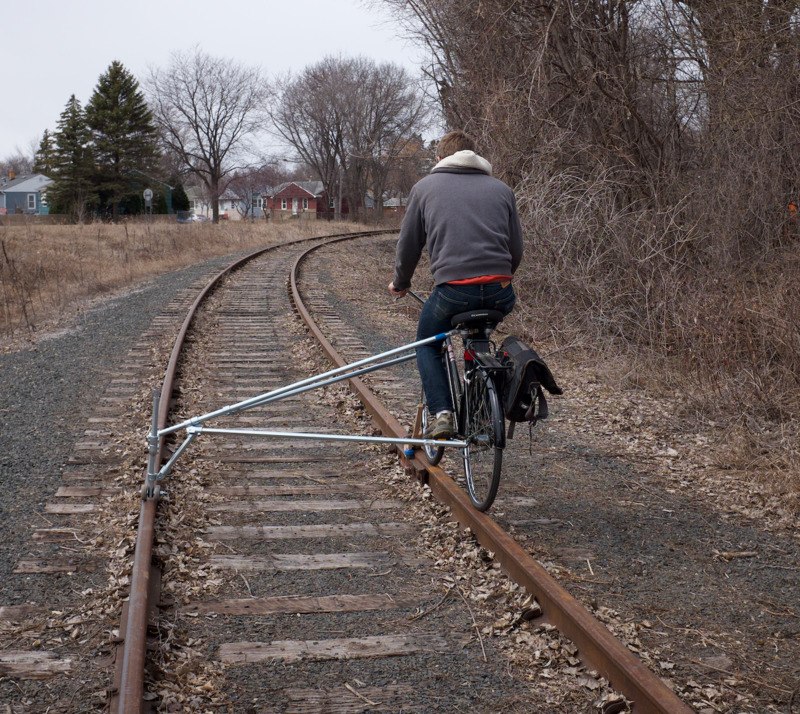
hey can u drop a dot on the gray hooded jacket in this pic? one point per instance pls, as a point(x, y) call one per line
point(467, 218)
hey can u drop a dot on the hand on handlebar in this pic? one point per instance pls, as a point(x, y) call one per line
point(397, 293)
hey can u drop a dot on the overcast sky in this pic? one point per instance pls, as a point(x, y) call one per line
point(53, 49)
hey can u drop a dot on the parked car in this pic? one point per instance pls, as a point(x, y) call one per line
point(189, 217)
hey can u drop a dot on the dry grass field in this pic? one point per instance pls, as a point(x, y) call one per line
point(47, 271)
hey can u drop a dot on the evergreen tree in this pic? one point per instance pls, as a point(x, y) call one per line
point(160, 203)
point(73, 165)
point(124, 136)
point(45, 157)
point(180, 201)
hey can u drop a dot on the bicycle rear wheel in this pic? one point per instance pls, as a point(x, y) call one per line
point(485, 434)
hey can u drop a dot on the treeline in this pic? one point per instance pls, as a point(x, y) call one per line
point(353, 124)
point(357, 125)
point(654, 146)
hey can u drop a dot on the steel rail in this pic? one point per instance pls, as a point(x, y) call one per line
point(596, 645)
point(131, 665)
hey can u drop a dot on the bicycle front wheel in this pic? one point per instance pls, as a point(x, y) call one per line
point(485, 435)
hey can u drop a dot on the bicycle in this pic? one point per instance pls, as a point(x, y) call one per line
point(475, 388)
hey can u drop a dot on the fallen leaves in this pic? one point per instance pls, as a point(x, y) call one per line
point(505, 613)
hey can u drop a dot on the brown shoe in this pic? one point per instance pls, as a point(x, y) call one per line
point(441, 427)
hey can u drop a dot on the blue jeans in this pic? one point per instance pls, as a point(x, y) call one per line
point(444, 302)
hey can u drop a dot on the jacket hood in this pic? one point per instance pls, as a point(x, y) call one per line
point(464, 160)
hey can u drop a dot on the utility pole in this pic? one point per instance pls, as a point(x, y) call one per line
point(339, 200)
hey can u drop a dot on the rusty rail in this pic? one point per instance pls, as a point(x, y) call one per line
point(597, 646)
point(131, 653)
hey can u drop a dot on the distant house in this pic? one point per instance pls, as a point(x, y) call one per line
point(306, 200)
point(395, 206)
point(199, 202)
point(229, 205)
point(26, 194)
point(201, 205)
point(302, 199)
point(296, 198)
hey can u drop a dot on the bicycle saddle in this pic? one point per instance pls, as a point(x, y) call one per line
point(479, 317)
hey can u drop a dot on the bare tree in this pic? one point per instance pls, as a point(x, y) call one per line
point(393, 112)
point(588, 85)
point(207, 110)
point(748, 57)
point(252, 185)
point(18, 162)
point(695, 99)
point(414, 161)
point(653, 145)
point(351, 120)
point(310, 116)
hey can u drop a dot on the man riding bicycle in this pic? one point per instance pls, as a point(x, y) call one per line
point(470, 224)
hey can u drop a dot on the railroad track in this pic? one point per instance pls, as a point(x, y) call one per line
point(283, 575)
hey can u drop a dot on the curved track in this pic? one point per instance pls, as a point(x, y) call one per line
point(251, 343)
point(130, 675)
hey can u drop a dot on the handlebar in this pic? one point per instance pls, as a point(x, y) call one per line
point(416, 297)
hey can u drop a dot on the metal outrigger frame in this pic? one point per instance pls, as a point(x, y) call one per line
point(193, 427)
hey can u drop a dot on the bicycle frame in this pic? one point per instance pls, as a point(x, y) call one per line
point(472, 360)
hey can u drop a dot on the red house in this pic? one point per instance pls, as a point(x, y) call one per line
point(300, 199)
point(303, 199)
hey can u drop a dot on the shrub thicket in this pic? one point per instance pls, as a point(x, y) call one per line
point(651, 146)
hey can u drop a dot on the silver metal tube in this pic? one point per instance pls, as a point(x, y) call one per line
point(166, 468)
point(152, 449)
point(333, 380)
point(152, 437)
point(321, 380)
point(328, 437)
point(240, 406)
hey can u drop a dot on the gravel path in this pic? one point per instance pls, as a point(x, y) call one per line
point(45, 397)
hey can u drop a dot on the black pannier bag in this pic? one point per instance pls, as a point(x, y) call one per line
point(523, 398)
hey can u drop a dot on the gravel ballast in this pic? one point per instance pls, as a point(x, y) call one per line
point(691, 566)
point(46, 392)
point(706, 595)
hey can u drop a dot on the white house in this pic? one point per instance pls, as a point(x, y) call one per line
point(200, 203)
